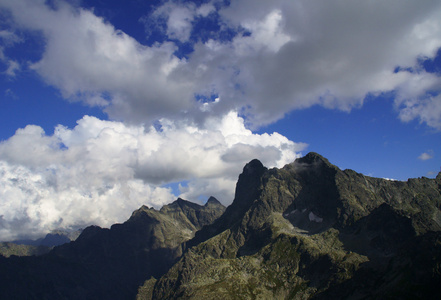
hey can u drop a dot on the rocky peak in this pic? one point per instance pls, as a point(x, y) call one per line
point(90, 232)
point(248, 188)
point(312, 162)
point(181, 204)
point(312, 157)
point(249, 180)
point(254, 166)
point(213, 202)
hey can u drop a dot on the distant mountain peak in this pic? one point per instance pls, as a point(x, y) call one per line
point(313, 158)
point(212, 201)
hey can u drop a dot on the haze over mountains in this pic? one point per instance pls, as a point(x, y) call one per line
point(39, 246)
point(307, 230)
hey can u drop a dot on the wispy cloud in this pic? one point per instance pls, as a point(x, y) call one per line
point(426, 155)
point(13, 68)
point(8, 39)
point(10, 94)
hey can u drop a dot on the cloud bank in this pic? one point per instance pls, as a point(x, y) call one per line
point(100, 171)
point(263, 59)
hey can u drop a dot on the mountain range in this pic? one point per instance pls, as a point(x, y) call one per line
point(39, 246)
point(305, 231)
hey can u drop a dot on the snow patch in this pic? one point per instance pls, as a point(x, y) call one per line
point(314, 218)
point(290, 213)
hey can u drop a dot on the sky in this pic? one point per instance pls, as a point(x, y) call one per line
point(109, 105)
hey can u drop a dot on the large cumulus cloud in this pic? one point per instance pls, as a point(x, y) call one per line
point(100, 171)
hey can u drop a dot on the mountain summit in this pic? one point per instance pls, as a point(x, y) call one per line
point(306, 231)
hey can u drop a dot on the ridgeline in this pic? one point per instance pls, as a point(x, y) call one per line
point(306, 231)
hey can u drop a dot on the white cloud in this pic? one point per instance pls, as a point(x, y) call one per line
point(205, 9)
point(426, 155)
point(100, 171)
point(425, 109)
point(179, 23)
point(337, 52)
point(89, 60)
point(173, 19)
point(296, 54)
point(265, 34)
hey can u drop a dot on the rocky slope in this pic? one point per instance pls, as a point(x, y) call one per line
point(108, 263)
point(311, 230)
point(8, 249)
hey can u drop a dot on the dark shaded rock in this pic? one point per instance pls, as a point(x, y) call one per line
point(247, 192)
point(55, 239)
point(381, 233)
point(108, 263)
point(413, 273)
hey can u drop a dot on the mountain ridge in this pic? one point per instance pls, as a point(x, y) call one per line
point(319, 216)
point(90, 267)
point(39, 246)
point(305, 231)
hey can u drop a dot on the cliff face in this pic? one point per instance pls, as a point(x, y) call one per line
point(313, 230)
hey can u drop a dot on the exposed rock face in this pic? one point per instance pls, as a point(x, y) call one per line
point(311, 230)
point(108, 263)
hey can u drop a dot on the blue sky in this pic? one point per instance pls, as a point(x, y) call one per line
point(109, 105)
